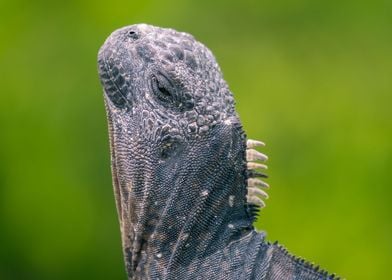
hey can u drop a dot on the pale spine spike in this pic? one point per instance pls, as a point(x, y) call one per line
point(252, 182)
point(254, 143)
point(255, 165)
point(256, 191)
point(252, 155)
point(255, 200)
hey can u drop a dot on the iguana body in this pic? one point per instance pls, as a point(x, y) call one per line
point(179, 164)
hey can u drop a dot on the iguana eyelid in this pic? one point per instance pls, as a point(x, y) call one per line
point(162, 88)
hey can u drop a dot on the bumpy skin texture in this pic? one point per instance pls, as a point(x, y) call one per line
point(179, 165)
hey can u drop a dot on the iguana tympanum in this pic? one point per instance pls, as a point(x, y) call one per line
point(184, 173)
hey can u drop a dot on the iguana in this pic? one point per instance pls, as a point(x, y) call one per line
point(184, 173)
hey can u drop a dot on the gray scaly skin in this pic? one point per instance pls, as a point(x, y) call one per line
point(179, 164)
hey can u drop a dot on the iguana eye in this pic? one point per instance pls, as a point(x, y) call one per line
point(170, 93)
point(162, 88)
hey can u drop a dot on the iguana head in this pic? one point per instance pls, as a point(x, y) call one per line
point(177, 146)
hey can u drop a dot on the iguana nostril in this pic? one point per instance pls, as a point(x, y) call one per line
point(132, 34)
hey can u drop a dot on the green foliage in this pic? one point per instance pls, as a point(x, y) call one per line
point(311, 78)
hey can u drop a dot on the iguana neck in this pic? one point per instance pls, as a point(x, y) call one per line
point(162, 230)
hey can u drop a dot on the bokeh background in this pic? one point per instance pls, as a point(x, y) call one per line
point(311, 78)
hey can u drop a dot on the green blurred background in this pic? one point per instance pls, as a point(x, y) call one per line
point(311, 78)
